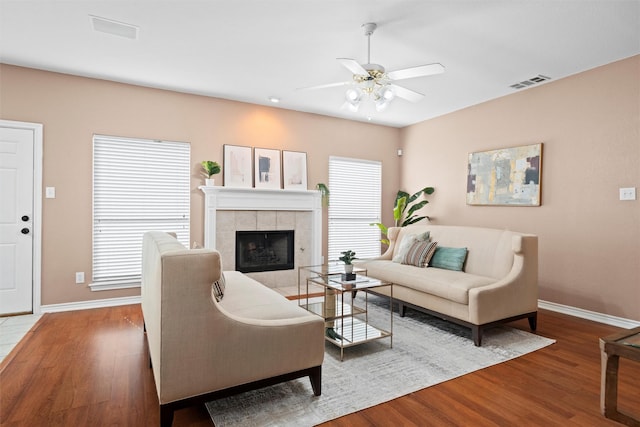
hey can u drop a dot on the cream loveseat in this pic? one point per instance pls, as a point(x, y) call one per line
point(202, 349)
point(499, 281)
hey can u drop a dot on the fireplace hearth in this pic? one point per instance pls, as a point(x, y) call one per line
point(264, 250)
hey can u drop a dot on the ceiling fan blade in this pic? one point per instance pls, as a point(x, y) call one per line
point(324, 86)
point(405, 93)
point(353, 66)
point(419, 71)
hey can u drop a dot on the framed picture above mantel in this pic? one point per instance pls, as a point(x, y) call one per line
point(266, 167)
point(237, 166)
point(505, 177)
point(294, 170)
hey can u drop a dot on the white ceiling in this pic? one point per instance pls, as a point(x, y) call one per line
point(248, 50)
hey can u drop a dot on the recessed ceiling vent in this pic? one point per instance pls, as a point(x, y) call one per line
point(112, 27)
point(532, 81)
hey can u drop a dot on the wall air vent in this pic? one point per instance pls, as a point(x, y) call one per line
point(112, 27)
point(532, 81)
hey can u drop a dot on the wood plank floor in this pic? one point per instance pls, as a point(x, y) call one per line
point(90, 368)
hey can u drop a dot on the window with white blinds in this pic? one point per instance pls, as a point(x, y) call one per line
point(138, 185)
point(355, 187)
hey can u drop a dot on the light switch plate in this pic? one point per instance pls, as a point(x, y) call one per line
point(50, 192)
point(628, 193)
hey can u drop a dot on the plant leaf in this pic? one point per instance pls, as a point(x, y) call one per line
point(400, 195)
point(417, 206)
point(412, 220)
point(401, 204)
point(381, 226)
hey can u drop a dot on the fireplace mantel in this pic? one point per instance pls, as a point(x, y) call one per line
point(254, 199)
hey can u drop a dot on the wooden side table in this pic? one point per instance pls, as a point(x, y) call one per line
point(623, 344)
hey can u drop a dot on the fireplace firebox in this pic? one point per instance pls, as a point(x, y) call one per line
point(264, 250)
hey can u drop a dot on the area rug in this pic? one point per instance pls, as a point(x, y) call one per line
point(426, 351)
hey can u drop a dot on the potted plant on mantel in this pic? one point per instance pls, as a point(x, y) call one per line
point(210, 168)
point(347, 257)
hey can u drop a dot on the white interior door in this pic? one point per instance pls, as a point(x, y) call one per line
point(16, 218)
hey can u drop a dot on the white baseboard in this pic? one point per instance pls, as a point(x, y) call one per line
point(84, 305)
point(552, 306)
point(589, 315)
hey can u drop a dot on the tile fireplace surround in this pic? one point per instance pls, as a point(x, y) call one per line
point(227, 210)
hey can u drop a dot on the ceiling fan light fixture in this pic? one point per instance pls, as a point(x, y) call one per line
point(381, 105)
point(375, 86)
point(353, 95)
point(387, 94)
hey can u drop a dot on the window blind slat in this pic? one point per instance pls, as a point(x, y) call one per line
point(355, 203)
point(138, 185)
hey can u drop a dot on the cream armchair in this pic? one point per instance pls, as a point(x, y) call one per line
point(202, 349)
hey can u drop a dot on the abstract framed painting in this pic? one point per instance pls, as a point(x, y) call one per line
point(505, 177)
point(237, 166)
point(266, 167)
point(294, 170)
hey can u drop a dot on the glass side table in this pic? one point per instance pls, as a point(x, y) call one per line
point(623, 344)
point(347, 323)
point(322, 270)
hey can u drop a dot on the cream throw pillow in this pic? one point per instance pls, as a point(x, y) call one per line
point(406, 243)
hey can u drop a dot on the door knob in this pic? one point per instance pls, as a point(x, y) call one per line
point(25, 218)
point(25, 231)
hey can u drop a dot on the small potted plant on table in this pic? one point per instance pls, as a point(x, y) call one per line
point(347, 257)
point(210, 168)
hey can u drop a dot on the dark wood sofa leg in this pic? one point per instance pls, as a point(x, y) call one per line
point(402, 309)
point(166, 416)
point(476, 334)
point(316, 380)
point(533, 322)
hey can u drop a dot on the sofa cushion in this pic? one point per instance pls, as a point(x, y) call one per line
point(246, 297)
point(218, 287)
point(406, 243)
point(448, 284)
point(448, 258)
point(420, 253)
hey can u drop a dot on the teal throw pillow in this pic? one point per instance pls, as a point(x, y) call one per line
point(449, 258)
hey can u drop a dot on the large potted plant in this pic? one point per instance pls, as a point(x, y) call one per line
point(404, 201)
point(210, 168)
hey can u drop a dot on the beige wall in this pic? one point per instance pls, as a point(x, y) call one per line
point(72, 109)
point(590, 126)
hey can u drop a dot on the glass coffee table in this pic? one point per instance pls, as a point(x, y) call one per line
point(347, 322)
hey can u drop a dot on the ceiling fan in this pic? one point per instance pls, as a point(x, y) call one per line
point(374, 82)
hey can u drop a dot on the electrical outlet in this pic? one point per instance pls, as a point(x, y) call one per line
point(628, 193)
point(80, 277)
